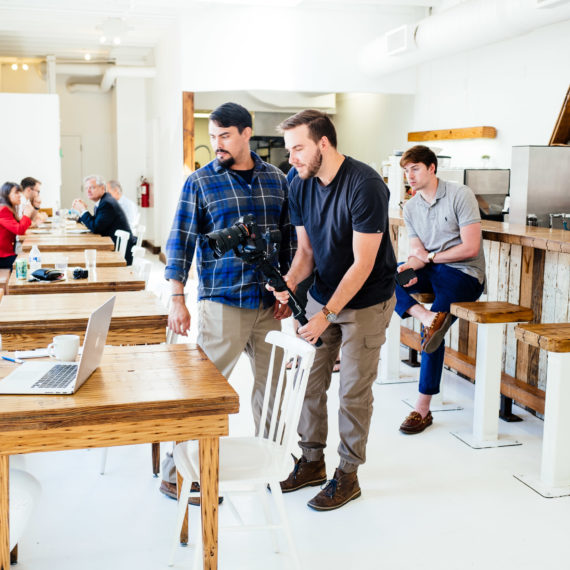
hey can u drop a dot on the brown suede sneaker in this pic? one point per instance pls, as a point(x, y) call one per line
point(341, 489)
point(305, 474)
point(414, 423)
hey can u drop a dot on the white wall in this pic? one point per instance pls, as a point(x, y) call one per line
point(371, 125)
point(517, 86)
point(29, 145)
point(303, 49)
point(130, 129)
point(166, 164)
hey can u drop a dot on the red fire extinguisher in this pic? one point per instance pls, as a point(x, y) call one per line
point(144, 189)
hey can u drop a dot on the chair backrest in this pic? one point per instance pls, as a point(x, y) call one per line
point(142, 268)
point(290, 389)
point(122, 241)
point(140, 235)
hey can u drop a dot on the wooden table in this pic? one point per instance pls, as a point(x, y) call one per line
point(106, 279)
point(77, 258)
point(138, 395)
point(31, 321)
point(51, 242)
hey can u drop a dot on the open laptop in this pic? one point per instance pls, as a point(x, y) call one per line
point(64, 377)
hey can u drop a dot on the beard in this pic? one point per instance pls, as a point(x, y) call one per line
point(313, 166)
point(226, 162)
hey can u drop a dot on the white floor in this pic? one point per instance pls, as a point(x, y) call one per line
point(428, 501)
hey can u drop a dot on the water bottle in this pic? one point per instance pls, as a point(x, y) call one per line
point(35, 259)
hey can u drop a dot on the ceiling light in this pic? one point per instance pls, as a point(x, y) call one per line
point(113, 31)
point(25, 66)
point(15, 67)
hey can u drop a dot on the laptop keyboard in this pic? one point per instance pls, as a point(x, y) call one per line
point(60, 376)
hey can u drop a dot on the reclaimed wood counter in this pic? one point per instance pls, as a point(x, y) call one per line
point(53, 242)
point(525, 265)
point(77, 258)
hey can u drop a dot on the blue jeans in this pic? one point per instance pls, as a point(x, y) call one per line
point(449, 285)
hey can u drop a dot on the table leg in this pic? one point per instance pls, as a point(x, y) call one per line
point(184, 529)
point(14, 555)
point(155, 459)
point(209, 477)
point(4, 512)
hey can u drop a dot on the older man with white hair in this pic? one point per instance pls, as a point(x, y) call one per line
point(129, 207)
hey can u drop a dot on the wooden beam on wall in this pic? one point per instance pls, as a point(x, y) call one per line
point(561, 132)
point(188, 130)
point(449, 134)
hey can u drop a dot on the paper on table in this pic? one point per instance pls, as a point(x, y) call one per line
point(37, 353)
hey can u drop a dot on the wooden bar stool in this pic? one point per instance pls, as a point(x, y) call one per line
point(490, 317)
point(554, 480)
point(438, 403)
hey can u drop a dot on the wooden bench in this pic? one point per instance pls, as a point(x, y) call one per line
point(490, 317)
point(4, 278)
point(554, 479)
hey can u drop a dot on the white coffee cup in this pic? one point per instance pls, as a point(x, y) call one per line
point(64, 347)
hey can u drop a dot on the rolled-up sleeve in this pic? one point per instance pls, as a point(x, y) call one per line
point(183, 234)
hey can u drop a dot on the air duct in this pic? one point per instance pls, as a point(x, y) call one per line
point(468, 25)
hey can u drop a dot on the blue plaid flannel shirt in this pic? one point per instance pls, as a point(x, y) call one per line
point(213, 198)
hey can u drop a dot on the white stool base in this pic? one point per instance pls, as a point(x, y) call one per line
point(545, 490)
point(401, 379)
point(435, 406)
point(471, 441)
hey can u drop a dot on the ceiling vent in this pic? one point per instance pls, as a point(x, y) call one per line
point(549, 3)
point(400, 40)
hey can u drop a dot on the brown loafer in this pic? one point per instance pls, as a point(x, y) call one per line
point(433, 335)
point(414, 423)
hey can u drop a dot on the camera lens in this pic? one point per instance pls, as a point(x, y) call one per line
point(222, 241)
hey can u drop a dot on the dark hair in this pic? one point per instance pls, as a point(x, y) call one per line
point(318, 123)
point(231, 115)
point(5, 191)
point(29, 182)
point(419, 153)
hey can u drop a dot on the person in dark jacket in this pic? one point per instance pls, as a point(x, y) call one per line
point(108, 216)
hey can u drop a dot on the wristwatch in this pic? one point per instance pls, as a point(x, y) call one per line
point(431, 256)
point(329, 315)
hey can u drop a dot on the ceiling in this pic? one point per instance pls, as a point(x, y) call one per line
point(69, 29)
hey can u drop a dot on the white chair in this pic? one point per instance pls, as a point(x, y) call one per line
point(142, 268)
point(24, 493)
point(260, 460)
point(138, 250)
point(122, 241)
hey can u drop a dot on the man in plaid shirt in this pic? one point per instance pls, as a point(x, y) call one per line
point(236, 311)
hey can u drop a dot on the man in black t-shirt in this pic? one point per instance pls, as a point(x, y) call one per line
point(339, 207)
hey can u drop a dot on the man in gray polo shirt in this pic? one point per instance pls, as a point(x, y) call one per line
point(446, 252)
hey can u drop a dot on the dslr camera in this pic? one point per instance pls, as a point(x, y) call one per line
point(244, 237)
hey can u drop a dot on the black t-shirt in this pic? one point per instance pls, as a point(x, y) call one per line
point(356, 200)
point(247, 175)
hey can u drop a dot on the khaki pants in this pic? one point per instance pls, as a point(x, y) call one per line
point(360, 333)
point(224, 332)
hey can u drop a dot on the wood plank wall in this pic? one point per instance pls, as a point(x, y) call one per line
point(522, 275)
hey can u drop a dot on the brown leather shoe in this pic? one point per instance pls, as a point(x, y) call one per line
point(433, 335)
point(414, 423)
point(170, 491)
point(341, 489)
point(305, 474)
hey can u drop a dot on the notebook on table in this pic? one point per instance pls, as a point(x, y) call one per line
point(64, 377)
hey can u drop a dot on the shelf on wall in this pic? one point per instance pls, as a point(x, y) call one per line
point(449, 134)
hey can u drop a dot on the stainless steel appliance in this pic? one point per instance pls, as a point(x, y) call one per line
point(490, 186)
point(540, 183)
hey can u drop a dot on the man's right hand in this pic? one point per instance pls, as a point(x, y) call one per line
point(179, 317)
point(29, 211)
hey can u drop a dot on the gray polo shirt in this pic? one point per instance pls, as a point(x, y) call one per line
point(438, 225)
